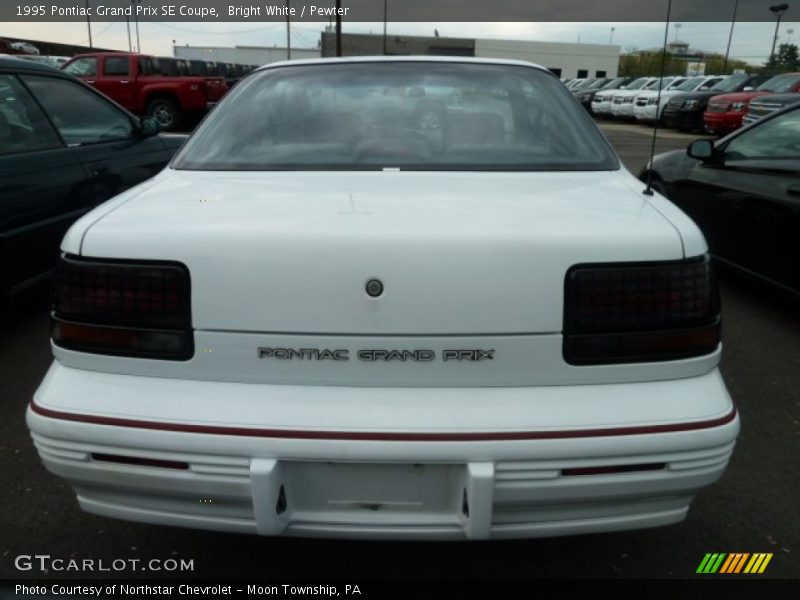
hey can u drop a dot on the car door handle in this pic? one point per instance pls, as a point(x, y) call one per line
point(125, 81)
point(794, 190)
point(90, 81)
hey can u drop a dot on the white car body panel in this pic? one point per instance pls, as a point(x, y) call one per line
point(497, 448)
point(537, 227)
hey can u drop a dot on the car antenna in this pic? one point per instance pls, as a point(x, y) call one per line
point(648, 191)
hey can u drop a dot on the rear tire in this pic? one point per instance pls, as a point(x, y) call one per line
point(166, 111)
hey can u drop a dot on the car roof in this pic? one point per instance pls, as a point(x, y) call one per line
point(404, 59)
point(8, 63)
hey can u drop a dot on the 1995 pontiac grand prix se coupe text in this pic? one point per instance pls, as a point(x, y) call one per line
point(389, 298)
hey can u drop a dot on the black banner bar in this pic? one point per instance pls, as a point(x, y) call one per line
point(375, 10)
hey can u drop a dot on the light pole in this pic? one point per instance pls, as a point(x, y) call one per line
point(338, 27)
point(88, 24)
point(128, 25)
point(677, 28)
point(778, 10)
point(135, 4)
point(385, 11)
point(611, 37)
point(288, 34)
point(730, 37)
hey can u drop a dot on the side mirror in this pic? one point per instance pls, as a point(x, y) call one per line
point(701, 150)
point(149, 126)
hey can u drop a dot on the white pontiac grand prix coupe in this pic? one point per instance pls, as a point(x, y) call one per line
point(388, 298)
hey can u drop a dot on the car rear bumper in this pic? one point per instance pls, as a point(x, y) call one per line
point(525, 479)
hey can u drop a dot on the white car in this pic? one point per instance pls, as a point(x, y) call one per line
point(604, 99)
point(623, 101)
point(24, 47)
point(333, 315)
point(647, 104)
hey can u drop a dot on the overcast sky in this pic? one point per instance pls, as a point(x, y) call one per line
point(751, 41)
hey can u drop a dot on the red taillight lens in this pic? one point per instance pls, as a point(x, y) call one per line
point(640, 312)
point(129, 308)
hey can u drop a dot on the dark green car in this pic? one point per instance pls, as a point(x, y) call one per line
point(64, 149)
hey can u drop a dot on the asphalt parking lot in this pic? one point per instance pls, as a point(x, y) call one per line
point(753, 508)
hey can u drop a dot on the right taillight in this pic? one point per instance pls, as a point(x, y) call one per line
point(640, 312)
point(123, 307)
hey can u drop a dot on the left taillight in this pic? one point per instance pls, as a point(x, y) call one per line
point(123, 308)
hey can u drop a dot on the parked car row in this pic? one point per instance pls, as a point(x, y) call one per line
point(717, 104)
point(726, 112)
point(645, 99)
point(686, 111)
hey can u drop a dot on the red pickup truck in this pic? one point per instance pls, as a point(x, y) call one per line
point(135, 82)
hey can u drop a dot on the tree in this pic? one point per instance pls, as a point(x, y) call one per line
point(786, 58)
point(649, 63)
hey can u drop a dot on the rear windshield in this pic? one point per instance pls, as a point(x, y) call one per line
point(407, 115)
point(780, 84)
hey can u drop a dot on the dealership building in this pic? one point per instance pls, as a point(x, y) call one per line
point(565, 60)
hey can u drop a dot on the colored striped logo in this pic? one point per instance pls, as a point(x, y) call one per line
point(734, 563)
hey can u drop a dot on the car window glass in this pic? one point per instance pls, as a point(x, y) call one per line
point(731, 83)
point(418, 116)
point(780, 84)
point(23, 127)
point(146, 66)
point(116, 65)
point(690, 84)
point(82, 67)
point(81, 116)
point(776, 138)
